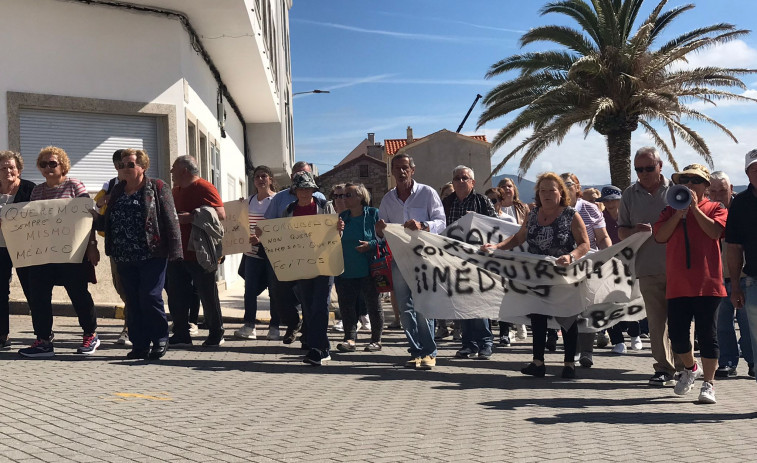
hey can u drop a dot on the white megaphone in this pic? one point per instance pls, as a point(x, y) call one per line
point(678, 197)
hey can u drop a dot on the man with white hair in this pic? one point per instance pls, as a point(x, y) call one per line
point(477, 334)
point(741, 239)
point(721, 190)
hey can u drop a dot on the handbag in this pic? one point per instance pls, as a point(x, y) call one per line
point(380, 268)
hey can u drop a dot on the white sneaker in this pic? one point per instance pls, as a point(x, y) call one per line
point(619, 348)
point(246, 332)
point(274, 334)
point(193, 329)
point(686, 380)
point(521, 334)
point(123, 338)
point(707, 394)
point(339, 326)
point(636, 343)
point(365, 323)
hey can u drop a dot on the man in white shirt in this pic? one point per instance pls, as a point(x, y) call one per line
point(416, 207)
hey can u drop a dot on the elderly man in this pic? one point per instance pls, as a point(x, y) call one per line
point(721, 190)
point(477, 334)
point(283, 295)
point(189, 193)
point(416, 207)
point(741, 239)
point(640, 206)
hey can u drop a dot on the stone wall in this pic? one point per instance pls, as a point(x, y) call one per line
point(375, 181)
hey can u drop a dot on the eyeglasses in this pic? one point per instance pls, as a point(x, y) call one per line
point(51, 164)
point(9, 168)
point(684, 179)
point(645, 169)
point(461, 179)
point(126, 165)
point(261, 176)
point(344, 195)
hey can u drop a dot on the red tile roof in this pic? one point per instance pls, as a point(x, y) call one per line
point(393, 145)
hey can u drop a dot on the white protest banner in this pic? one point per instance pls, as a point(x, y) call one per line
point(451, 279)
point(236, 228)
point(303, 247)
point(47, 231)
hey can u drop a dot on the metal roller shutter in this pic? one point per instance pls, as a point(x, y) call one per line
point(89, 139)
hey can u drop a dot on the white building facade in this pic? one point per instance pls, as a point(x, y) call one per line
point(210, 78)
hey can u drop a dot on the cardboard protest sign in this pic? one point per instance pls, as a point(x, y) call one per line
point(451, 279)
point(47, 231)
point(303, 247)
point(236, 229)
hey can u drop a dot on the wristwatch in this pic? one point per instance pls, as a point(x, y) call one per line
point(424, 226)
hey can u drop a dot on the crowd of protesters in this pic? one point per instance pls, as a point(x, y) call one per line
point(700, 265)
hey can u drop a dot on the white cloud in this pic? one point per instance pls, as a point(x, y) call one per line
point(404, 81)
point(398, 35)
point(348, 83)
point(719, 104)
point(735, 53)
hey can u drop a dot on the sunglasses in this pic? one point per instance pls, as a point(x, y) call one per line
point(344, 195)
point(461, 179)
point(645, 169)
point(46, 164)
point(125, 165)
point(684, 179)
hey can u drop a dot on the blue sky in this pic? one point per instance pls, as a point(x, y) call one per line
point(420, 63)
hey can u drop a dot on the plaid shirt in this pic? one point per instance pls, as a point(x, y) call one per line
point(454, 208)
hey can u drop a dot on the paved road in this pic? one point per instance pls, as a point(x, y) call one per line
point(255, 401)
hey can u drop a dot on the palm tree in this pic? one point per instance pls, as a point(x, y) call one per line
point(608, 78)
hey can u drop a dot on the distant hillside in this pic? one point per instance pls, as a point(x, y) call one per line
point(525, 187)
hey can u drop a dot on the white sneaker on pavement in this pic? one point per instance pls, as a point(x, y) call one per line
point(123, 338)
point(636, 343)
point(707, 394)
point(193, 329)
point(686, 380)
point(619, 348)
point(274, 334)
point(246, 332)
point(339, 326)
point(365, 323)
point(521, 333)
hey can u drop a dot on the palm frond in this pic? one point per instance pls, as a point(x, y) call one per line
point(565, 36)
point(659, 142)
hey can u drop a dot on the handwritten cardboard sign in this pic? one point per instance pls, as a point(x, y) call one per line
point(304, 247)
point(236, 229)
point(47, 231)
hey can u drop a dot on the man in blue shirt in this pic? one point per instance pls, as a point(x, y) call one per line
point(416, 207)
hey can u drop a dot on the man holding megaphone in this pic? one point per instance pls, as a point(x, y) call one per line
point(691, 227)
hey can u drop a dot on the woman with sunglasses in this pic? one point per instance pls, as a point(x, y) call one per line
point(54, 165)
point(13, 189)
point(141, 235)
point(694, 278)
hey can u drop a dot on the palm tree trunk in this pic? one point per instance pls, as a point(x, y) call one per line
point(619, 154)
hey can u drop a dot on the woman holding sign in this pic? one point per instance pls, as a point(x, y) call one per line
point(12, 190)
point(141, 235)
point(358, 244)
point(552, 228)
point(54, 165)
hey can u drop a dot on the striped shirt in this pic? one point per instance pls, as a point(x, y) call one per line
point(592, 219)
point(70, 188)
point(256, 213)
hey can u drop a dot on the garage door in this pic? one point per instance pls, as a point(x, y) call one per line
point(89, 139)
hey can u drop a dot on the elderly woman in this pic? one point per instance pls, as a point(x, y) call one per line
point(13, 189)
point(141, 235)
point(54, 165)
point(694, 278)
point(258, 273)
point(358, 244)
point(552, 228)
point(596, 228)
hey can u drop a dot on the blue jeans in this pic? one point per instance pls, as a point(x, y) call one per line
point(729, 348)
point(418, 329)
point(258, 275)
point(143, 283)
point(750, 305)
point(477, 333)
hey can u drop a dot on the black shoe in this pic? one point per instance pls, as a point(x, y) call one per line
point(568, 372)
point(316, 358)
point(178, 340)
point(551, 343)
point(138, 354)
point(504, 341)
point(751, 370)
point(725, 372)
point(158, 350)
point(289, 336)
point(465, 353)
point(214, 339)
point(661, 379)
point(533, 370)
point(485, 353)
